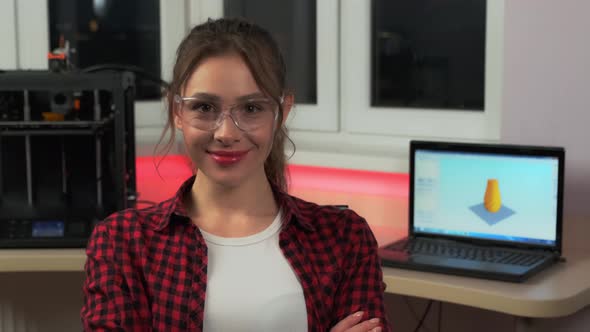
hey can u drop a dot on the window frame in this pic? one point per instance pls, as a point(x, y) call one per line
point(342, 130)
point(8, 56)
point(360, 117)
point(33, 26)
point(322, 116)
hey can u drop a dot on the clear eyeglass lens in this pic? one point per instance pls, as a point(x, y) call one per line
point(247, 116)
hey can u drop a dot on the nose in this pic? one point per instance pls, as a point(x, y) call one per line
point(227, 132)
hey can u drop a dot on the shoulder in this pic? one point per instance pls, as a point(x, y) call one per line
point(332, 220)
point(128, 221)
point(326, 213)
point(338, 235)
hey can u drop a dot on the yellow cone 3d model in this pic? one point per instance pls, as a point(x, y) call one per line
point(492, 199)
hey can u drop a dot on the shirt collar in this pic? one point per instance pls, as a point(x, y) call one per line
point(287, 203)
point(291, 209)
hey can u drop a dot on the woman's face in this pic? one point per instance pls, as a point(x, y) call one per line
point(227, 154)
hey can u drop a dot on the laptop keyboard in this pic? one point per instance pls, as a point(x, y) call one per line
point(465, 251)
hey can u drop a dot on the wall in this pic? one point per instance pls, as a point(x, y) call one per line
point(546, 82)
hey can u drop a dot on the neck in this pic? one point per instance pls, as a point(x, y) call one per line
point(213, 204)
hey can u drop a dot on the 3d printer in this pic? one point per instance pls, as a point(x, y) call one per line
point(67, 154)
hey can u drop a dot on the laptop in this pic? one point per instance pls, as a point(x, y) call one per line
point(482, 210)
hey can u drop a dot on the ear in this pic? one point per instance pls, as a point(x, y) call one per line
point(288, 102)
point(176, 116)
point(177, 121)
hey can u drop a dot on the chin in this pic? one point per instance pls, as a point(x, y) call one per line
point(230, 175)
point(227, 180)
point(227, 177)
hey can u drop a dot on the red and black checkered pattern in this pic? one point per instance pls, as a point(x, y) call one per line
point(147, 269)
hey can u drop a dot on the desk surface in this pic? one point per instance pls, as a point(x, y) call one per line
point(40, 260)
point(558, 291)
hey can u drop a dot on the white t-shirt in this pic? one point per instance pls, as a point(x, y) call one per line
point(251, 286)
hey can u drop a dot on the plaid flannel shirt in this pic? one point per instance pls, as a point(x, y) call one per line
point(146, 270)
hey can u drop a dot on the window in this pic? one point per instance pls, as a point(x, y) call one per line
point(307, 32)
point(428, 54)
point(366, 111)
point(418, 95)
point(293, 23)
point(33, 43)
point(352, 98)
point(104, 32)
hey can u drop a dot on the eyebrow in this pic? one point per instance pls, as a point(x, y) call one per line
point(215, 98)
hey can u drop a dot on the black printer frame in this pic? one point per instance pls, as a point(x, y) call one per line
point(59, 177)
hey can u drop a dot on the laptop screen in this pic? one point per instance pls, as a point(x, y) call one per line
point(501, 197)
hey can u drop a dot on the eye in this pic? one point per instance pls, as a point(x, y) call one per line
point(200, 107)
point(252, 108)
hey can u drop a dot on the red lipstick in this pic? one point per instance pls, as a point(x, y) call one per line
point(226, 158)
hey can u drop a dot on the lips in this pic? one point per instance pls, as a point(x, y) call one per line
point(227, 157)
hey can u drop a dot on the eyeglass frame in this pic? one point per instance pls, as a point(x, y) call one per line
point(180, 100)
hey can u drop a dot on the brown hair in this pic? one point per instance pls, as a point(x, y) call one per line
point(262, 55)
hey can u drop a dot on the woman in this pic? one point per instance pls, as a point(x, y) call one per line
point(232, 251)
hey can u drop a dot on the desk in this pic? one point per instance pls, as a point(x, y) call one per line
point(561, 290)
point(558, 291)
point(42, 260)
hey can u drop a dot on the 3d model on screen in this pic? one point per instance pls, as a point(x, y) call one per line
point(492, 211)
point(492, 199)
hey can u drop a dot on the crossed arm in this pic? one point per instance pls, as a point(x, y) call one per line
point(359, 304)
